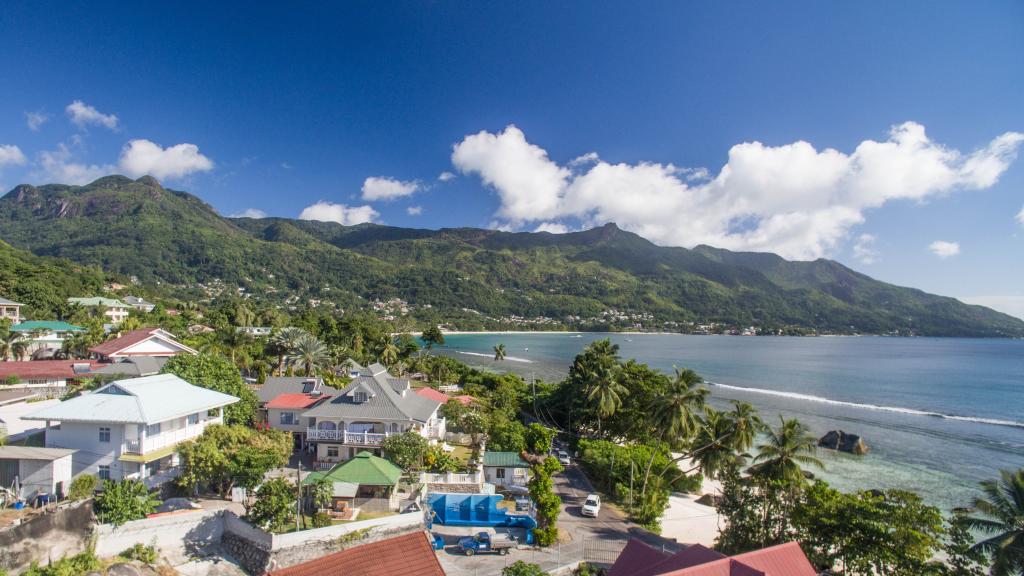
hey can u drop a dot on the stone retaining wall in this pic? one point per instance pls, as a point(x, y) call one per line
point(64, 531)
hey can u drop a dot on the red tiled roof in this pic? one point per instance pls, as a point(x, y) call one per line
point(296, 400)
point(638, 559)
point(441, 397)
point(408, 555)
point(128, 339)
point(43, 368)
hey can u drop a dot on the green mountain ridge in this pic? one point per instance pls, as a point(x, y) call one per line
point(139, 228)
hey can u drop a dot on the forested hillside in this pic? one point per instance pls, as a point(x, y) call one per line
point(471, 276)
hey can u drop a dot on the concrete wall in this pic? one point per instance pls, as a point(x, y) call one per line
point(50, 536)
point(274, 419)
point(178, 536)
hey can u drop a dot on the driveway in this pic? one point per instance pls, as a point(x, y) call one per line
point(597, 540)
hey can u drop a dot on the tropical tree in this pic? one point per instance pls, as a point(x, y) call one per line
point(716, 450)
point(1002, 517)
point(675, 412)
point(605, 392)
point(274, 509)
point(389, 352)
point(121, 502)
point(499, 352)
point(217, 373)
point(745, 425)
point(281, 343)
point(309, 355)
point(432, 336)
point(12, 344)
point(785, 449)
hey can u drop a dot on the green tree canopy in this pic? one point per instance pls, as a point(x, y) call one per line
point(124, 501)
point(217, 372)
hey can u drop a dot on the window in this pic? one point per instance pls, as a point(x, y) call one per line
point(193, 419)
point(104, 473)
point(360, 397)
point(288, 418)
point(499, 473)
point(104, 434)
point(153, 429)
point(332, 451)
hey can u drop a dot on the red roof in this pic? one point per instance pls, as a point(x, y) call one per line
point(639, 559)
point(44, 369)
point(296, 400)
point(408, 555)
point(441, 397)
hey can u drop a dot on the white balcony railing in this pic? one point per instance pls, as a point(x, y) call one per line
point(164, 439)
point(346, 437)
point(452, 478)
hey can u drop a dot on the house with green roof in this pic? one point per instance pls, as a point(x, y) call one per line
point(46, 336)
point(114, 310)
point(507, 469)
point(366, 482)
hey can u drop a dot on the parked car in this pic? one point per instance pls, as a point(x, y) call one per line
point(563, 458)
point(592, 506)
point(487, 542)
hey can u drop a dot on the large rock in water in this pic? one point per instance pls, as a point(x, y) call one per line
point(839, 440)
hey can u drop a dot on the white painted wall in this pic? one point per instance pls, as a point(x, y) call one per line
point(85, 437)
point(42, 476)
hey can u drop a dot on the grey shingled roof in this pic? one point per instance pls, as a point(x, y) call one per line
point(137, 366)
point(277, 385)
point(386, 403)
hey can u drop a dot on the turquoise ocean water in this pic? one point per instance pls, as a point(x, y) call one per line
point(939, 414)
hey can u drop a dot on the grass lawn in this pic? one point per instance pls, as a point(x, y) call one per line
point(462, 453)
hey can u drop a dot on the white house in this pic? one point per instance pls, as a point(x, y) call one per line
point(371, 408)
point(139, 303)
point(115, 310)
point(36, 471)
point(47, 336)
point(10, 310)
point(506, 469)
point(153, 342)
point(132, 428)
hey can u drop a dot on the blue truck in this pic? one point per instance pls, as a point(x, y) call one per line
point(486, 542)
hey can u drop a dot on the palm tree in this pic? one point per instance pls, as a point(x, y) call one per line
point(309, 354)
point(1002, 510)
point(499, 352)
point(605, 392)
point(715, 438)
point(12, 344)
point(674, 414)
point(282, 343)
point(786, 448)
point(745, 425)
point(389, 352)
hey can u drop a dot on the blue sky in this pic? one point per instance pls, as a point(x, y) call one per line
point(882, 134)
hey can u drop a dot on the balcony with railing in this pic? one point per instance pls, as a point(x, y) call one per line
point(165, 439)
point(346, 437)
point(452, 478)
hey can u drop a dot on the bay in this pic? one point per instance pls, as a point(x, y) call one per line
point(940, 414)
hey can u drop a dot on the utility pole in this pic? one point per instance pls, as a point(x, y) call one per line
point(298, 500)
point(631, 483)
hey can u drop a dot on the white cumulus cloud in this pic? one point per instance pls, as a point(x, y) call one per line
point(346, 215)
point(82, 115)
point(414, 210)
point(446, 176)
point(552, 227)
point(141, 157)
point(11, 155)
point(383, 188)
point(792, 199)
point(864, 249)
point(944, 249)
point(35, 119)
point(59, 166)
point(250, 213)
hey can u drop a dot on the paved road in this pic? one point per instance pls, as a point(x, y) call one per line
point(583, 538)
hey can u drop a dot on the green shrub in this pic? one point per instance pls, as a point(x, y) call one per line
point(321, 520)
point(83, 487)
point(141, 552)
point(67, 566)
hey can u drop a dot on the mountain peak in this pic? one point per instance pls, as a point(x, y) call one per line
point(150, 181)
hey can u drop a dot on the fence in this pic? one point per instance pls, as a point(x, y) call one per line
point(451, 478)
point(374, 504)
point(556, 559)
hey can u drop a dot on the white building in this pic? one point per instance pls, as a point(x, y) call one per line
point(139, 303)
point(507, 469)
point(10, 310)
point(131, 428)
point(148, 342)
point(114, 310)
point(36, 471)
point(371, 408)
